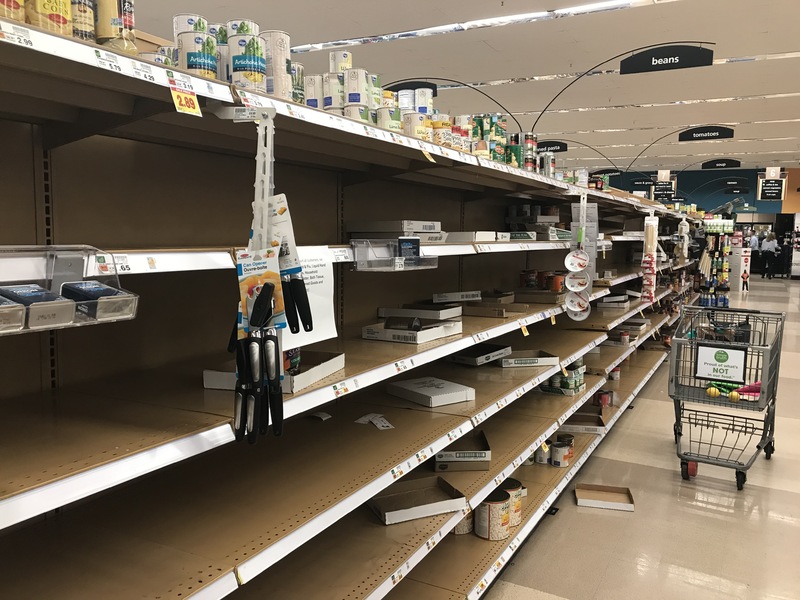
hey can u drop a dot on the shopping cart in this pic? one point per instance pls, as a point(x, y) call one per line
point(728, 358)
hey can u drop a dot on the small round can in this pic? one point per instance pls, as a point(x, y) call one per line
point(277, 45)
point(358, 113)
point(388, 99)
point(356, 87)
point(83, 20)
point(428, 137)
point(241, 27)
point(405, 100)
point(602, 398)
point(52, 16)
point(442, 133)
point(313, 89)
point(515, 156)
point(248, 68)
point(530, 162)
point(512, 139)
point(423, 100)
point(542, 456)
point(376, 91)
point(465, 525)
point(493, 518)
point(188, 22)
point(13, 10)
point(390, 118)
point(625, 337)
point(339, 61)
point(615, 374)
point(463, 122)
point(559, 454)
point(298, 86)
point(218, 30)
point(156, 58)
point(412, 121)
point(333, 90)
point(499, 153)
point(514, 489)
point(531, 142)
point(198, 53)
point(170, 54)
point(568, 439)
point(555, 380)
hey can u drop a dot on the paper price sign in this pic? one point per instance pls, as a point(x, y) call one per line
point(401, 366)
point(17, 35)
point(143, 71)
point(186, 102)
point(107, 60)
point(481, 337)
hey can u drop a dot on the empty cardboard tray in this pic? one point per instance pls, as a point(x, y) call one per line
point(415, 499)
point(604, 496)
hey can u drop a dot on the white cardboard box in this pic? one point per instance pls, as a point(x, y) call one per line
point(410, 499)
point(314, 367)
point(404, 225)
point(425, 237)
point(471, 296)
point(480, 354)
point(455, 237)
point(423, 311)
point(377, 332)
point(431, 391)
point(604, 496)
point(529, 358)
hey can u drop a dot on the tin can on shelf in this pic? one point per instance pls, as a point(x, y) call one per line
point(52, 15)
point(513, 139)
point(14, 10)
point(241, 27)
point(423, 100)
point(358, 113)
point(390, 118)
point(313, 89)
point(531, 142)
point(602, 398)
point(376, 91)
point(405, 100)
point(197, 53)
point(83, 19)
point(442, 133)
point(559, 454)
point(170, 54)
point(218, 31)
point(188, 22)
point(499, 153)
point(279, 63)
point(515, 156)
point(413, 124)
point(531, 163)
point(542, 456)
point(298, 88)
point(339, 61)
point(333, 90)
point(514, 489)
point(615, 374)
point(465, 525)
point(493, 516)
point(248, 67)
point(156, 58)
point(388, 99)
point(568, 439)
point(357, 87)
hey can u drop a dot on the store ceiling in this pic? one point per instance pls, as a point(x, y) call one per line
point(753, 86)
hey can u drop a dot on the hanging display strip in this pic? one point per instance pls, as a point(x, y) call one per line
point(95, 56)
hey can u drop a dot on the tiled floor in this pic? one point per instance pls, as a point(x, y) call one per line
point(699, 539)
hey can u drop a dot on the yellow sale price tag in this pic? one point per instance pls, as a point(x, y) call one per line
point(186, 102)
point(428, 156)
point(525, 331)
point(552, 319)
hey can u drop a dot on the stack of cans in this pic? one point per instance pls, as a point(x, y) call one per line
point(530, 144)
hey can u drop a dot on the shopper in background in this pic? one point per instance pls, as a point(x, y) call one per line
point(769, 248)
point(754, 241)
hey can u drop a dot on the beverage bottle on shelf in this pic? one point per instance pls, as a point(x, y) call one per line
point(115, 25)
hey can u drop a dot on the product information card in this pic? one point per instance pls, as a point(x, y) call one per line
point(317, 263)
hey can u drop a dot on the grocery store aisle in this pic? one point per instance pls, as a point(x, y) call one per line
point(687, 539)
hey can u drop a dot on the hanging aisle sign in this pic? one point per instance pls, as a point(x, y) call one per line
point(722, 163)
point(737, 191)
point(708, 132)
point(642, 182)
point(601, 172)
point(667, 58)
point(771, 189)
point(551, 147)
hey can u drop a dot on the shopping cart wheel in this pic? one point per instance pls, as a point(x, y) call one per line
point(685, 470)
point(768, 451)
point(741, 477)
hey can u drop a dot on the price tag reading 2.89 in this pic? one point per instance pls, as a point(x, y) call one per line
point(186, 102)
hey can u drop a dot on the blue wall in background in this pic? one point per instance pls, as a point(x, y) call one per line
point(707, 188)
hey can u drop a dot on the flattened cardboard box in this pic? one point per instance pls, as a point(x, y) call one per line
point(472, 447)
point(588, 419)
point(529, 358)
point(377, 332)
point(411, 499)
point(423, 311)
point(604, 496)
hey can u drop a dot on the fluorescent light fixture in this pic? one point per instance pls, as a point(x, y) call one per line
point(518, 19)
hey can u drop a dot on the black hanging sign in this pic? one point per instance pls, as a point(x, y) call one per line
point(663, 191)
point(667, 58)
point(609, 172)
point(737, 191)
point(708, 132)
point(551, 147)
point(722, 163)
point(734, 181)
point(770, 189)
point(642, 182)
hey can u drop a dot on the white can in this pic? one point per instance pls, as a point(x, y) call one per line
point(248, 67)
point(493, 518)
point(186, 22)
point(218, 31)
point(388, 99)
point(428, 136)
point(241, 27)
point(170, 54)
point(514, 489)
point(559, 454)
point(423, 100)
point(312, 87)
point(390, 118)
point(340, 61)
point(541, 456)
point(356, 87)
point(298, 86)
point(223, 62)
point(465, 525)
point(413, 122)
point(198, 53)
point(333, 90)
point(279, 63)
point(358, 113)
point(376, 91)
point(405, 100)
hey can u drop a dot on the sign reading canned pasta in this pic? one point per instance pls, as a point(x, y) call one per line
point(721, 363)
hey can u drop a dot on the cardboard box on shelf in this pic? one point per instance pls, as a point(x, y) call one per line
point(411, 499)
point(527, 236)
point(422, 310)
point(425, 237)
point(604, 496)
point(497, 297)
point(539, 296)
point(403, 225)
point(588, 419)
point(377, 332)
point(469, 296)
point(529, 358)
point(468, 237)
point(431, 391)
point(481, 354)
point(471, 452)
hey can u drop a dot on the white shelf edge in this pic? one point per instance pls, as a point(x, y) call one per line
point(390, 582)
point(527, 528)
point(219, 588)
point(37, 501)
point(260, 562)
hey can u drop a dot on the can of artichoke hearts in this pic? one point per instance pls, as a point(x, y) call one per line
point(248, 67)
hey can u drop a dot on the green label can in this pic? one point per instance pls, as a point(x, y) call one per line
point(198, 53)
point(515, 156)
point(248, 67)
